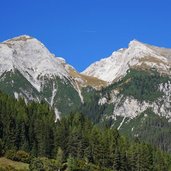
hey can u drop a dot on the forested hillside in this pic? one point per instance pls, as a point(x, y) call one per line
point(29, 133)
point(138, 105)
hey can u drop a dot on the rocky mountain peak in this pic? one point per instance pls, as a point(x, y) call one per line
point(31, 58)
point(135, 43)
point(136, 55)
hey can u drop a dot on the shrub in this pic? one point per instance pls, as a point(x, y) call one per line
point(43, 164)
point(10, 154)
point(18, 156)
point(22, 156)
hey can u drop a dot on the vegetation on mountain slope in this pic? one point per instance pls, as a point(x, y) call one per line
point(15, 82)
point(73, 143)
point(143, 85)
point(65, 97)
point(140, 84)
point(150, 128)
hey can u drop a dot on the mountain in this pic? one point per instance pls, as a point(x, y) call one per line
point(137, 100)
point(128, 70)
point(29, 70)
point(130, 90)
point(137, 55)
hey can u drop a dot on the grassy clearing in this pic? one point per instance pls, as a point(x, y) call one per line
point(6, 164)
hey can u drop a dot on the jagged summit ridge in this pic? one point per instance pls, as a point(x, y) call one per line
point(136, 55)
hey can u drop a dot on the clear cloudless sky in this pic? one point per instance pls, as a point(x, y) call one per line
point(84, 31)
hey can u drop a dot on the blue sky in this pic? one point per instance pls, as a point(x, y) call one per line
point(84, 31)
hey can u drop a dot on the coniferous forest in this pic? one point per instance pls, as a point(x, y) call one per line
point(29, 133)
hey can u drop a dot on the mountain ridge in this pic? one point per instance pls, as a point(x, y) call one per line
point(107, 69)
point(136, 55)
